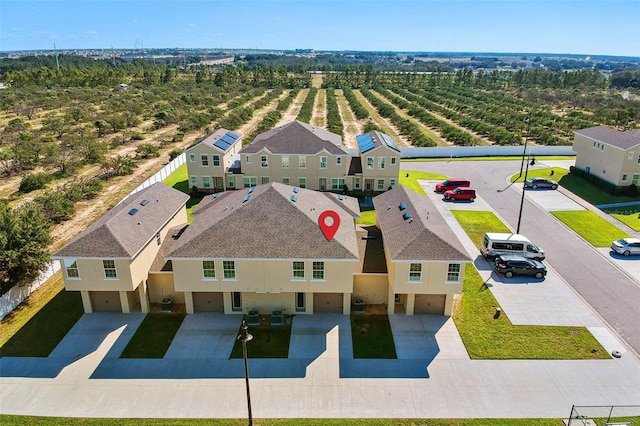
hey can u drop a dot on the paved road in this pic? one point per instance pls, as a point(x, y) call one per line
point(612, 293)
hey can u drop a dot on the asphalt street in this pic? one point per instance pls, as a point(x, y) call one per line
point(610, 291)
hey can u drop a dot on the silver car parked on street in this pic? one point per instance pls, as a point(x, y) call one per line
point(626, 246)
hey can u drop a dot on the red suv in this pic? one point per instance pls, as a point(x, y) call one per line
point(451, 184)
point(461, 193)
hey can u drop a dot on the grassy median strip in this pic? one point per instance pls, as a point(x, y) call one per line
point(372, 337)
point(36, 327)
point(590, 226)
point(153, 337)
point(486, 337)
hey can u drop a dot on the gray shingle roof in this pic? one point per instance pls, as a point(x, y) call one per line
point(622, 140)
point(425, 236)
point(296, 138)
point(267, 226)
point(119, 234)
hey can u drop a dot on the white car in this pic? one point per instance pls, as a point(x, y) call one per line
point(626, 246)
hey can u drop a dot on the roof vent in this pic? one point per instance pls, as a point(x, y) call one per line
point(294, 198)
point(402, 206)
point(406, 215)
point(295, 189)
point(253, 188)
point(340, 197)
point(247, 198)
point(133, 211)
point(144, 202)
point(217, 194)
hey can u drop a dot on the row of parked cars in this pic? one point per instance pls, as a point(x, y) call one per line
point(455, 189)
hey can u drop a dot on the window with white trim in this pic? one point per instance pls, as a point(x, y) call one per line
point(392, 183)
point(285, 161)
point(192, 158)
point(264, 180)
point(216, 160)
point(630, 155)
point(264, 161)
point(453, 273)
point(380, 185)
point(71, 266)
point(247, 159)
point(302, 182)
point(317, 272)
point(393, 161)
point(337, 184)
point(338, 161)
point(109, 268)
point(370, 163)
point(250, 181)
point(194, 180)
point(381, 162)
point(624, 177)
point(298, 271)
point(302, 161)
point(415, 272)
point(285, 180)
point(206, 181)
point(323, 162)
point(231, 182)
point(208, 269)
point(356, 185)
point(204, 159)
point(229, 269)
point(236, 301)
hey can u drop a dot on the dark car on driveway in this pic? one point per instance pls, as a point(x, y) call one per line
point(511, 265)
point(535, 183)
point(460, 193)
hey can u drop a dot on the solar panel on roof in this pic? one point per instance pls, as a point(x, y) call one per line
point(390, 142)
point(133, 211)
point(220, 144)
point(402, 206)
point(144, 202)
point(406, 215)
point(294, 198)
point(365, 142)
point(228, 139)
point(233, 135)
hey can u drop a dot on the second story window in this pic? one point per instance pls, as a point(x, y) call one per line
point(302, 161)
point(415, 272)
point(247, 159)
point(192, 158)
point(381, 161)
point(208, 269)
point(72, 268)
point(318, 271)
point(229, 270)
point(298, 270)
point(369, 163)
point(393, 161)
point(264, 162)
point(323, 162)
point(216, 161)
point(109, 268)
point(158, 238)
point(453, 273)
point(285, 161)
point(338, 161)
point(204, 159)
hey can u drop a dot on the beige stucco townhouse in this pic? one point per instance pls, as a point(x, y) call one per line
point(109, 262)
point(425, 260)
point(261, 248)
point(609, 154)
point(209, 159)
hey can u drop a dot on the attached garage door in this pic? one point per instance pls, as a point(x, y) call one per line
point(105, 301)
point(327, 302)
point(208, 302)
point(430, 304)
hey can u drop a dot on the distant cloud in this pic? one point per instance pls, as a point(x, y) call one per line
point(91, 32)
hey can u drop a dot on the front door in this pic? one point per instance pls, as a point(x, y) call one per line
point(323, 184)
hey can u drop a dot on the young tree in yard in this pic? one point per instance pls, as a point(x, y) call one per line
point(24, 237)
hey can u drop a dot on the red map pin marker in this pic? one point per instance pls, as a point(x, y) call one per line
point(329, 229)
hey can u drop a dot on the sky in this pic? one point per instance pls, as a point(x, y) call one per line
point(584, 27)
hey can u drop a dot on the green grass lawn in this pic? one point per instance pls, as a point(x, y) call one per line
point(590, 193)
point(486, 337)
point(367, 218)
point(476, 223)
point(629, 215)
point(180, 181)
point(269, 341)
point(372, 338)
point(409, 178)
point(489, 338)
point(590, 226)
point(153, 337)
point(29, 334)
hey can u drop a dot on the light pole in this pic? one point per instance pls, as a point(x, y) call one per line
point(245, 337)
point(530, 160)
point(526, 138)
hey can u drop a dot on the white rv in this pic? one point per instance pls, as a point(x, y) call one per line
point(495, 244)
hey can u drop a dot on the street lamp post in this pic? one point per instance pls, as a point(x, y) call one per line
point(526, 139)
point(245, 337)
point(530, 160)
